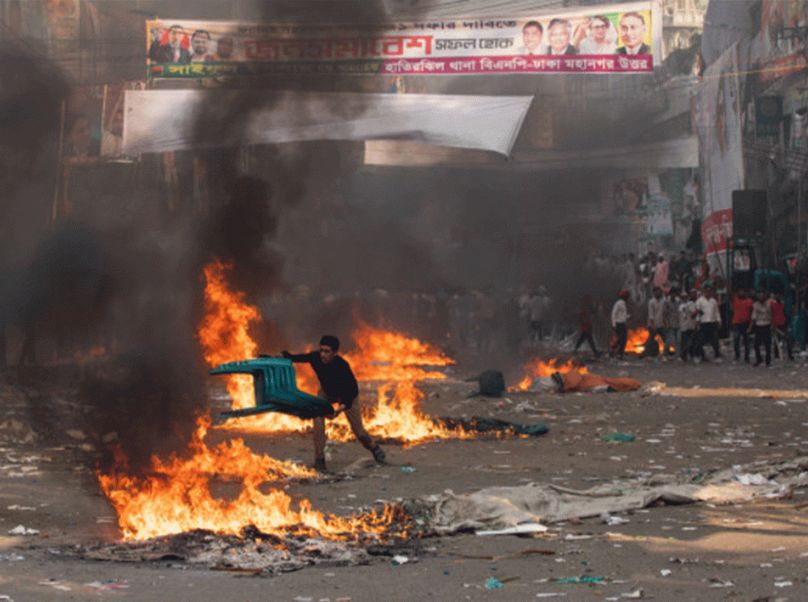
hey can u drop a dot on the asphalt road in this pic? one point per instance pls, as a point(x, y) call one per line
point(757, 551)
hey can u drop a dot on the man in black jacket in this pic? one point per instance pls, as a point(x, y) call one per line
point(339, 386)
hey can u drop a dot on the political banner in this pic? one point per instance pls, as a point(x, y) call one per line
point(624, 38)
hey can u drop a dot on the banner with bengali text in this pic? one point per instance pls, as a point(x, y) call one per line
point(621, 38)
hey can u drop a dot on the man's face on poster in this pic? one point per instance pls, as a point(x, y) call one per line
point(598, 30)
point(175, 35)
point(559, 37)
point(531, 37)
point(199, 43)
point(632, 30)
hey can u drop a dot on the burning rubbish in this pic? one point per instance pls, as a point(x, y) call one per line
point(541, 369)
point(570, 377)
point(177, 496)
point(250, 552)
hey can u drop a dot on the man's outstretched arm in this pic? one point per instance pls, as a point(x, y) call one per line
point(300, 358)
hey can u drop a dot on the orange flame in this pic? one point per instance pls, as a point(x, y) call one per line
point(177, 497)
point(225, 337)
point(392, 359)
point(637, 338)
point(541, 369)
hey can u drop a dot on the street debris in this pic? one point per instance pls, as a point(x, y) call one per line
point(517, 530)
point(502, 507)
point(618, 437)
point(23, 530)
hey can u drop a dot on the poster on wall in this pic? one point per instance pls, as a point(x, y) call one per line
point(619, 38)
point(719, 129)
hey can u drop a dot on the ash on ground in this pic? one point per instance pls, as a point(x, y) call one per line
point(252, 552)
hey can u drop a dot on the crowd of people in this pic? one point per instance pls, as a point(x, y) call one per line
point(684, 306)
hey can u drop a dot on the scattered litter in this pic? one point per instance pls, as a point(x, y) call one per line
point(618, 437)
point(303, 599)
point(550, 595)
point(634, 595)
point(614, 520)
point(18, 507)
point(23, 530)
point(6, 598)
point(585, 580)
point(56, 585)
point(75, 434)
point(665, 572)
point(517, 530)
point(109, 585)
point(576, 536)
point(783, 584)
point(751, 479)
point(109, 437)
point(493, 583)
point(398, 560)
point(11, 557)
point(408, 469)
point(716, 582)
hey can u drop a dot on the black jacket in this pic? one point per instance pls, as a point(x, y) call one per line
point(336, 378)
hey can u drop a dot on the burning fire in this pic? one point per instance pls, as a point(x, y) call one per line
point(177, 496)
point(637, 338)
point(541, 369)
point(224, 336)
point(394, 361)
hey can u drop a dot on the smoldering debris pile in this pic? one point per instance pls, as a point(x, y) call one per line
point(253, 552)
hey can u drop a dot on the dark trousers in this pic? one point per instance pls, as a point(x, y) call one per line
point(354, 416)
point(741, 332)
point(708, 334)
point(622, 336)
point(586, 335)
point(763, 336)
point(686, 344)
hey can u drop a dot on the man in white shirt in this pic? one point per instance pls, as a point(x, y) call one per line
point(619, 320)
point(709, 317)
point(532, 34)
point(761, 325)
point(687, 324)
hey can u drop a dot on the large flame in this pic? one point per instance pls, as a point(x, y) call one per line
point(393, 360)
point(225, 337)
point(177, 494)
point(541, 369)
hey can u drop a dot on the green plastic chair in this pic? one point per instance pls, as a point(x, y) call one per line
point(276, 389)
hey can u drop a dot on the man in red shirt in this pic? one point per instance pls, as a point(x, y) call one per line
point(741, 317)
point(780, 326)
